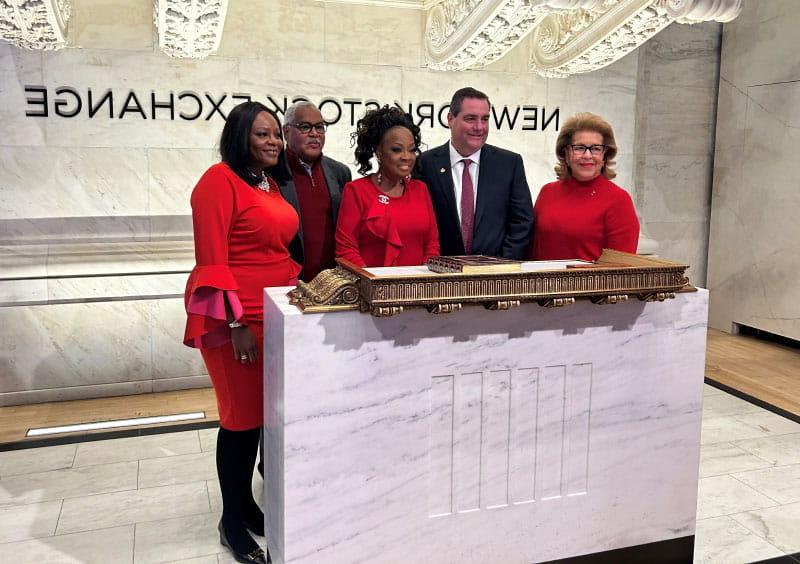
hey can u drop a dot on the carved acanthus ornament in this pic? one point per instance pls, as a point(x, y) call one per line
point(189, 28)
point(570, 36)
point(35, 24)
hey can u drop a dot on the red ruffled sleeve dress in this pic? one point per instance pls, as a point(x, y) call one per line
point(375, 229)
point(577, 220)
point(241, 238)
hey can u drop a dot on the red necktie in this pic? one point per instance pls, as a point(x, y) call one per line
point(467, 207)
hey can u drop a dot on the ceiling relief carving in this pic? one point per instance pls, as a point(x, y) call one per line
point(570, 36)
point(35, 24)
point(189, 29)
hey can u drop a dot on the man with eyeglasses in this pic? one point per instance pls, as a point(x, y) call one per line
point(315, 190)
point(479, 191)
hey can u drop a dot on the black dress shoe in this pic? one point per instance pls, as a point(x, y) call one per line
point(257, 556)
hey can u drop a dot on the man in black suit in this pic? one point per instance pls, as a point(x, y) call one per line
point(479, 192)
point(315, 190)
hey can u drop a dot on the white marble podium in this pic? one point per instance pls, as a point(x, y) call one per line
point(480, 436)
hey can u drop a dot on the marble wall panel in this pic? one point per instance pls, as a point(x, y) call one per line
point(23, 291)
point(68, 182)
point(44, 230)
point(374, 35)
point(19, 67)
point(681, 120)
point(109, 24)
point(98, 259)
point(764, 199)
point(753, 228)
point(29, 261)
point(319, 81)
point(77, 288)
point(685, 242)
point(146, 74)
point(503, 89)
point(278, 31)
point(171, 358)
point(73, 345)
point(76, 392)
point(172, 175)
point(676, 188)
point(79, 350)
point(182, 383)
point(610, 92)
point(171, 227)
point(674, 138)
point(759, 45)
point(684, 55)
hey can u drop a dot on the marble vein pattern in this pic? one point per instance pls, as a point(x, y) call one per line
point(753, 231)
point(481, 435)
point(99, 546)
point(136, 448)
point(722, 540)
point(69, 483)
point(28, 528)
point(77, 181)
point(140, 350)
point(27, 461)
point(132, 506)
point(778, 525)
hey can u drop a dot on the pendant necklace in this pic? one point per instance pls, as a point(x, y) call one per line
point(264, 183)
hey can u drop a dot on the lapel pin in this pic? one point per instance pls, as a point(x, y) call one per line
point(441, 170)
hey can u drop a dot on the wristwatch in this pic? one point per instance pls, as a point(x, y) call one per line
point(235, 323)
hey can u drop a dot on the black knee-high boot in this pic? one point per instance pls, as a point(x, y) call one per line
point(236, 455)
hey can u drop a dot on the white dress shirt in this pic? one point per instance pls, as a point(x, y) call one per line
point(457, 170)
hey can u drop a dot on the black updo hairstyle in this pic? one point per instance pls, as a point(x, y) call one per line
point(234, 143)
point(370, 130)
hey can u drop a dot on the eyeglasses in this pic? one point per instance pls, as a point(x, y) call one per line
point(595, 150)
point(305, 127)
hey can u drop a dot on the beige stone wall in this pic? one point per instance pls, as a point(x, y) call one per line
point(754, 263)
point(675, 115)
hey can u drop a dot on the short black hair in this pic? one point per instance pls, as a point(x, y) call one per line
point(234, 143)
point(371, 128)
point(467, 92)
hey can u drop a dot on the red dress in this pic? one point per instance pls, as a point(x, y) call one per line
point(577, 220)
point(241, 235)
point(375, 229)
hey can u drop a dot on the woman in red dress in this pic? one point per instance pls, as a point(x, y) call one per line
point(583, 212)
point(386, 218)
point(242, 229)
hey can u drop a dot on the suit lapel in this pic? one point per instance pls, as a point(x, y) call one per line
point(444, 174)
point(485, 176)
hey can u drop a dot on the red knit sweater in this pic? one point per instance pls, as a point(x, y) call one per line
point(577, 220)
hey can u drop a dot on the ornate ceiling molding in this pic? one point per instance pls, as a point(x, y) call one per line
point(189, 29)
point(570, 36)
point(35, 24)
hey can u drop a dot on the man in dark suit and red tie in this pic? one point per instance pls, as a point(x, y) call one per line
point(479, 192)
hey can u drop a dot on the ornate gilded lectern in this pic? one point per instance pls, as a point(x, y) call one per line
point(414, 416)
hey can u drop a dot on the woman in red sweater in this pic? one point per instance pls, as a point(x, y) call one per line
point(583, 212)
point(386, 218)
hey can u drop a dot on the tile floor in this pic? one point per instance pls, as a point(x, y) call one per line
point(156, 499)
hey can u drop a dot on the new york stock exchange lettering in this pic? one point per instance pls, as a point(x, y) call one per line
point(70, 102)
